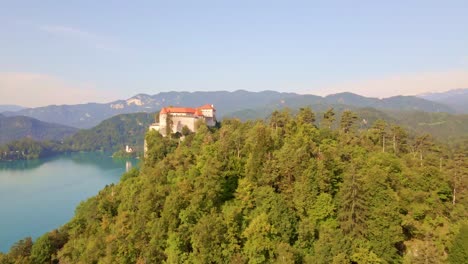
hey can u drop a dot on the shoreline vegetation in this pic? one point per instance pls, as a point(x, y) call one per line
point(281, 190)
point(28, 150)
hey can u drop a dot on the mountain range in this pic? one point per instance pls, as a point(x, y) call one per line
point(18, 127)
point(90, 114)
point(457, 99)
point(5, 108)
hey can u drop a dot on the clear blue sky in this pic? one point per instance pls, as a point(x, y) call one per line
point(116, 49)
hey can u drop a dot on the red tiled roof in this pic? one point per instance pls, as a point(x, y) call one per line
point(177, 110)
point(196, 111)
point(207, 106)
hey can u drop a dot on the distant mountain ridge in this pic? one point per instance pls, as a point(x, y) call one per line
point(18, 127)
point(91, 114)
point(4, 108)
point(457, 99)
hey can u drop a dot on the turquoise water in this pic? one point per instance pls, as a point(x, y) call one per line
point(40, 195)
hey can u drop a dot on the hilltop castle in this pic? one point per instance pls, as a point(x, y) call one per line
point(178, 117)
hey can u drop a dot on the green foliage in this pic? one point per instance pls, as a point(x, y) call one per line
point(185, 131)
point(459, 249)
point(110, 135)
point(281, 191)
point(113, 134)
point(122, 154)
point(169, 124)
point(29, 149)
point(348, 120)
point(328, 118)
point(42, 250)
point(445, 127)
point(305, 116)
point(20, 251)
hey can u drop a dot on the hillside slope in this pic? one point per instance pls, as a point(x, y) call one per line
point(113, 133)
point(17, 127)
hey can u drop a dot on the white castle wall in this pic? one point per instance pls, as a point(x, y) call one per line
point(178, 122)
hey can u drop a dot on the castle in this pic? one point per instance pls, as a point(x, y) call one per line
point(178, 117)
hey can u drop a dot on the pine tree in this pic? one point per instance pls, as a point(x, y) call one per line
point(306, 116)
point(328, 118)
point(353, 205)
point(347, 122)
point(459, 250)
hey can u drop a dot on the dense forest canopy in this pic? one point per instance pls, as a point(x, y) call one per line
point(279, 191)
point(113, 133)
point(444, 127)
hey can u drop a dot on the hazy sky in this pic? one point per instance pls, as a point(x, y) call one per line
point(55, 52)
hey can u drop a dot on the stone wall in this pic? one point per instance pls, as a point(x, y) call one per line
point(178, 122)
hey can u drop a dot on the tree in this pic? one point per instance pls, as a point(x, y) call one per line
point(259, 235)
point(258, 144)
point(458, 173)
point(6, 259)
point(41, 251)
point(379, 127)
point(399, 137)
point(328, 118)
point(353, 205)
point(185, 131)
point(459, 251)
point(21, 249)
point(156, 117)
point(348, 119)
point(279, 119)
point(422, 145)
point(208, 238)
point(169, 124)
point(364, 255)
point(305, 116)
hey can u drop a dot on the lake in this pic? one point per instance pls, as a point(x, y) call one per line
point(38, 196)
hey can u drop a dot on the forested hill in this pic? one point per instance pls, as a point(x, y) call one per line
point(17, 127)
point(113, 133)
point(276, 191)
point(442, 126)
point(110, 135)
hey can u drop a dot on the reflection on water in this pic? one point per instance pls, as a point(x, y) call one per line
point(128, 165)
point(22, 164)
point(37, 196)
point(100, 159)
